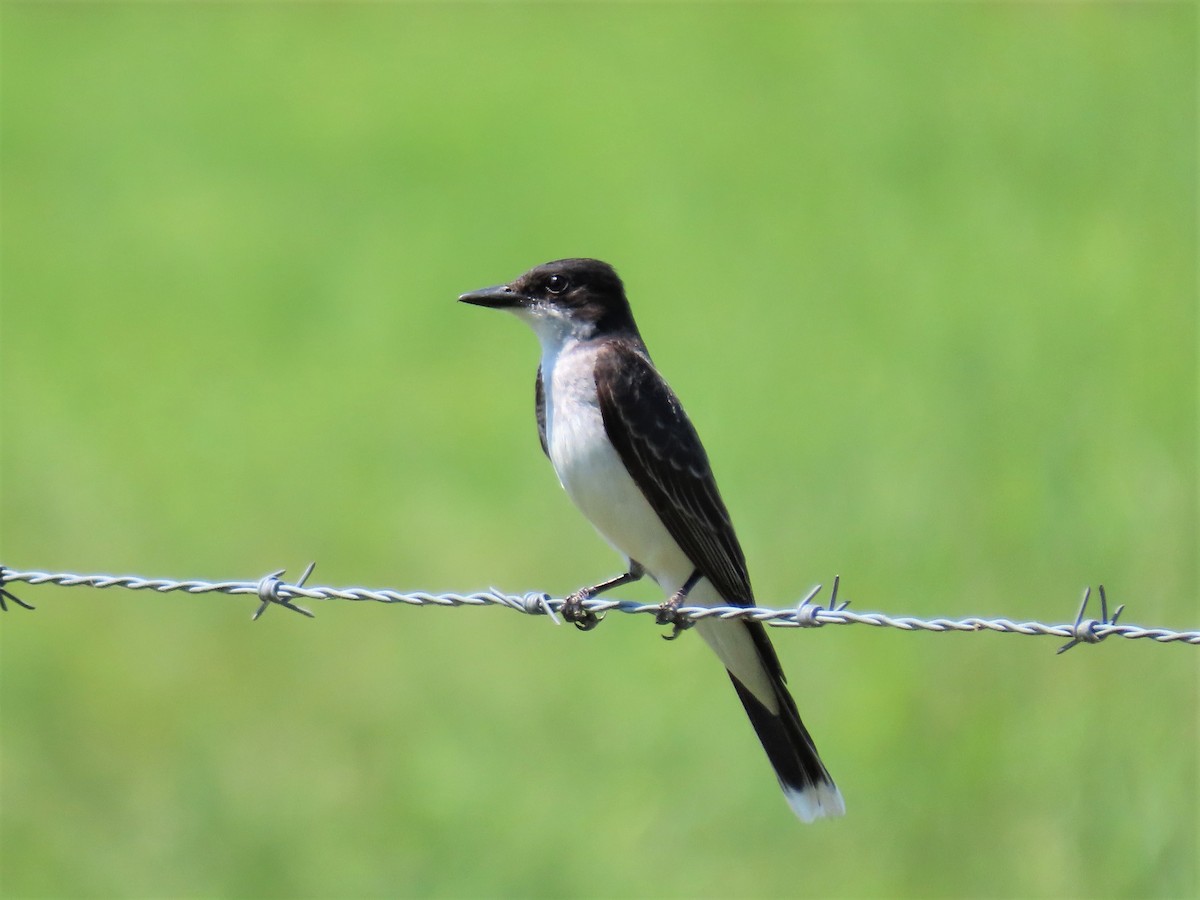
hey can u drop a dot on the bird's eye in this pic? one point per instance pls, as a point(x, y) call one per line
point(557, 284)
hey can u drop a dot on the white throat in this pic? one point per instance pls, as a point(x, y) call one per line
point(554, 327)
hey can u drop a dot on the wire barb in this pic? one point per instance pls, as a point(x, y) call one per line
point(6, 594)
point(271, 589)
point(538, 604)
point(808, 613)
point(1084, 631)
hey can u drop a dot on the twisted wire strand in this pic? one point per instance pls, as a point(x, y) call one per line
point(271, 589)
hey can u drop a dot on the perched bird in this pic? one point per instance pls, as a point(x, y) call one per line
point(629, 458)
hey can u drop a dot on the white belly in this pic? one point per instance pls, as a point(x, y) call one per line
point(592, 474)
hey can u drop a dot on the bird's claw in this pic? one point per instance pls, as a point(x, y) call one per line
point(668, 614)
point(574, 611)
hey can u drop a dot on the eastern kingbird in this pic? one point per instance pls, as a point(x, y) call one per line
point(627, 455)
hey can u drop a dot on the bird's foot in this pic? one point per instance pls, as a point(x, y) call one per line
point(668, 614)
point(574, 611)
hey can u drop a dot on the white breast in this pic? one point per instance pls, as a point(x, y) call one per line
point(591, 472)
point(590, 469)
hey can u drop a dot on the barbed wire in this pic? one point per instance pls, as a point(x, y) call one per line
point(272, 589)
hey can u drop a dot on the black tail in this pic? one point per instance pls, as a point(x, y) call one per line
point(806, 783)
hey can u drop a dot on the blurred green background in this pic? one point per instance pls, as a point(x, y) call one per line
point(924, 276)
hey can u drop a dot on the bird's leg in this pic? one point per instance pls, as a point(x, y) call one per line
point(667, 612)
point(584, 619)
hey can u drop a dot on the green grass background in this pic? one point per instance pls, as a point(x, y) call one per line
point(925, 277)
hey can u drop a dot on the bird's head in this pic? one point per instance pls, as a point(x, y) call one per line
point(579, 298)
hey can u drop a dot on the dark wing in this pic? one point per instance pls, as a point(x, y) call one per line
point(663, 453)
point(539, 401)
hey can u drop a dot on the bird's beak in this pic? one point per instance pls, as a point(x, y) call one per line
point(499, 297)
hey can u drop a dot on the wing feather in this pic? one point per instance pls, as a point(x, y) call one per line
point(660, 448)
point(539, 409)
point(662, 452)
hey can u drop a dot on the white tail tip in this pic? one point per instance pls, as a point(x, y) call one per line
point(816, 801)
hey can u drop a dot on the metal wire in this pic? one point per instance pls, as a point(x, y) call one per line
point(271, 589)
